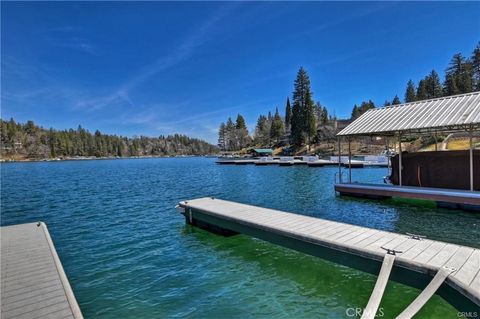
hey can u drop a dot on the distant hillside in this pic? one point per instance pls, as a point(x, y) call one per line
point(29, 141)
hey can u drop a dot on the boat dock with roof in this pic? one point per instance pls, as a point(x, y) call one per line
point(452, 114)
point(407, 258)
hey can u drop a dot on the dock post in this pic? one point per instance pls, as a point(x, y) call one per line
point(471, 160)
point(387, 148)
point(400, 160)
point(339, 161)
point(349, 161)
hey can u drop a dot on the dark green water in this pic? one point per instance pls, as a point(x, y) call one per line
point(128, 253)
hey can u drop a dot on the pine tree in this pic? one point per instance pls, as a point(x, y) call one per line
point(324, 115)
point(355, 112)
point(240, 123)
point(230, 135)
point(410, 95)
point(52, 140)
point(422, 93)
point(311, 126)
point(476, 67)
point(303, 119)
point(222, 131)
point(321, 113)
point(433, 87)
point(359, 110)
point(277, 129)
point(241, 133)
point(288, 115)
point(459, 76)
point(396, 100)
point(450, 85)
point(262, 131)
point(387, 103)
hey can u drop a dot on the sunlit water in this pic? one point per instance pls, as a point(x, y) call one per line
point(128, 253)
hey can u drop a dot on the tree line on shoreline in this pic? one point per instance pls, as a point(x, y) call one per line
point(298, 125)
point(300, 122)
point(31, 141)
point(461, 76)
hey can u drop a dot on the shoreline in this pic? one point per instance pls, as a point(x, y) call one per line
point(93, 158)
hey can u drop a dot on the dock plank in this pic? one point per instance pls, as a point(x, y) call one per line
point(459, 259)
point(416, 250)
point(33, 282)
point(371, 239)
point(441, 258)
point(467, 272)
point(407, 245)
point(475, 284)
point(429, 252)
point(364, 236)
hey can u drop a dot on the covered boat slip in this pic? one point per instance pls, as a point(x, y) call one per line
point(406, 258)
point(440, 176)
point(33, 282)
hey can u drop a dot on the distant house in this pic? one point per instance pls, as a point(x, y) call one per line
point(261, 152)
point(341, 124)
point(288, 151)
point(329, 130)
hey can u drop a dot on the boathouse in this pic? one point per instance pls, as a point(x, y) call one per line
point(449, 178)
point(257, 152)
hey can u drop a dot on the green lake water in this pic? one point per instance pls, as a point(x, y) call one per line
point(129, 254)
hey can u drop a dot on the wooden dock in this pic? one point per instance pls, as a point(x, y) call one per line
point(33, 282)
point(465, 199)
point(417, 259)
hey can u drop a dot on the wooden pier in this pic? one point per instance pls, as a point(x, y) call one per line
point(417, 259)
point(33, 282)
point(462, 198)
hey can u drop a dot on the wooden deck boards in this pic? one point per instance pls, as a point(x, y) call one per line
point(454, 196)
point(33, 282)
point(427, 256)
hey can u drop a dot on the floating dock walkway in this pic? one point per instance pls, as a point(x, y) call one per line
point(410, 259)
point(33, 282)
point(462, 198)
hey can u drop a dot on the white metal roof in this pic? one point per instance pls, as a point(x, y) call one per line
point(446, 114)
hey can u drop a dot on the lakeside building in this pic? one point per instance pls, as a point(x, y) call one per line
point(258, 152)
point(420, 175)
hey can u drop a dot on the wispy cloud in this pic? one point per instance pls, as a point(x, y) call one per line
point(351, 15)
point(67, 36)
point(116, 99)
point(79, 44)
point(206, 119)
point(185, 49)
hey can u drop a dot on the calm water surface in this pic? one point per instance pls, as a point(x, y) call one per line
point(128, 253)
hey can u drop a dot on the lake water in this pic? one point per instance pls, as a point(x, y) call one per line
point(129, 254)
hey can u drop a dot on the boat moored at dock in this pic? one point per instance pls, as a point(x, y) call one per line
point(266, 161)
point(286, 161)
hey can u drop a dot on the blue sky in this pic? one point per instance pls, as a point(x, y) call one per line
point(152, 68)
